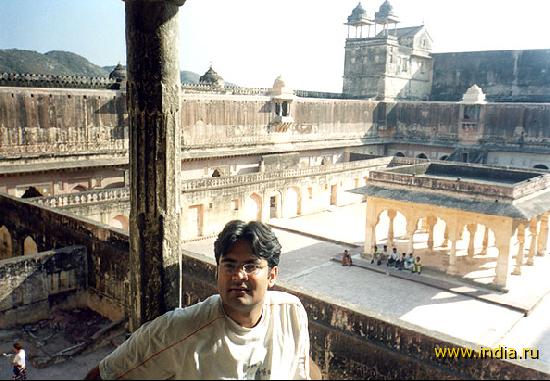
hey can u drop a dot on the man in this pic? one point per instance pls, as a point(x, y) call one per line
point(18, 362)
point(394, 257)
point(245, 332)
point(346, 259)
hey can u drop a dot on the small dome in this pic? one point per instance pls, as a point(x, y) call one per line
point(474, 95)
point(279, 83)
point(386, 14)
point(386, 8)
point(357, 14)
point(211, 78)
point(118, 73)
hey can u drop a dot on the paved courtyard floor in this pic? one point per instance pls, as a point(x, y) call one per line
point(460, 309)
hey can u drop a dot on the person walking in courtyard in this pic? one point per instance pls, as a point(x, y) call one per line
point(244, 332)
point(18, 362)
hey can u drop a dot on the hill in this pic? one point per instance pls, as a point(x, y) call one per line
point(58, 62)
point(51, 63)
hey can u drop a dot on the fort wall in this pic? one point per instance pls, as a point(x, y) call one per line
point(107, 249)
point(31, 285)
point(504, 75)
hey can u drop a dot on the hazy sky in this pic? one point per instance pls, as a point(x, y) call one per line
point(250, 42)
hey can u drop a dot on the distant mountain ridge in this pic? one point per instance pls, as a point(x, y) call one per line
point(58, 62)
point(55, 62)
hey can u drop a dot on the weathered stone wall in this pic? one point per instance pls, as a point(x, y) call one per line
point(504, 75)
point(107, 249)
point(222, 121)
point(55, 120)
point(347, 344)
point(32, 284)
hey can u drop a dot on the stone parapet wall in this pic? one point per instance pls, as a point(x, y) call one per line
point(32, 284)
point(348, 344)
point(107, 248)
point(86, 197)
point(232, 181)
point(410, 180)
point(56, 81)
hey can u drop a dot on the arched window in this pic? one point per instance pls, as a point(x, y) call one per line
point(216, 173)
point(79, 188)
point(400, 154)
point(444, 157)
point(421, 156)
point(540, 166)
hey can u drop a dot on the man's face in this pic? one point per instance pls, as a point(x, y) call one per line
point(240, 291)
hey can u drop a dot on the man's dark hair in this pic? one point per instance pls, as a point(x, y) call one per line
point(262, 240)
point(17, 346)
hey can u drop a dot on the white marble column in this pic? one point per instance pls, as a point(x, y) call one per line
point(453, 237)
point(431, 221)
point(542, 246)
point(391, 215)
point(411, 228)
point(471, 242)
point(503, 237)
point(533, 245)
point(370, 226)
point(519, 255)
point(485, 243)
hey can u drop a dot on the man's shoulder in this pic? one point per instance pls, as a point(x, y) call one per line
point(192, 317)
point(282, 298)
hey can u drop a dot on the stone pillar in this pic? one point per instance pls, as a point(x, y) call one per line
point(503, 235)
point(542, 244)
point(411, 228)
point(446, 236)
point(431, 221)
point(453, 236)
point(471, 249)
point(485, 244)
point(153, 98)
point(370, 225)
point(391, 215)
point(519, 255)
point(533, 246)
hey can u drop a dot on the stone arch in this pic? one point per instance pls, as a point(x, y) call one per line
point(29, 246)
point(275, 199)
point(6, 245)
point(292, 202)
point(253, 207)
point(399, 154)
point(79, 188)
point(421, 156)
point(115, 185)
point(31, 192)
point(541, 166)
point(382, 227)
point(120, 222)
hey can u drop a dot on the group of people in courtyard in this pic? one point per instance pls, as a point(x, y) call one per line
point(393, 259)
